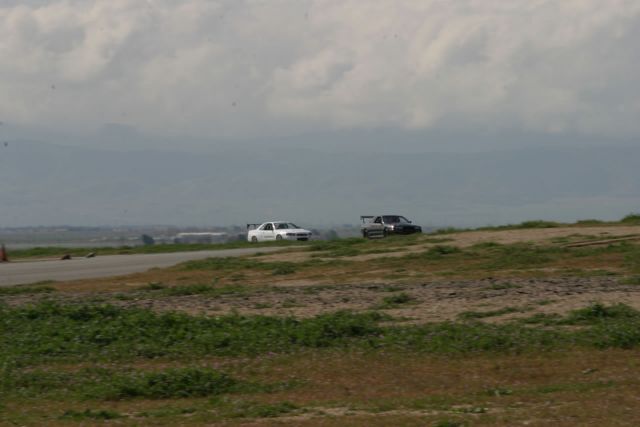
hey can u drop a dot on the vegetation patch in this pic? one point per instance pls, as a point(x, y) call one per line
point(632, 218)
point(632, 280)
point(467, 315)
point(518, 256)
point(597, 312)
point(589, 222)
point(435, 253)
point(32, 334)
point(249, 409)
point(49, 331)
point(107, 384)
point(209, 290)
point(171, 383)
point(90, 414)
point(22, 290)
point(395, 301)
point(336, 244)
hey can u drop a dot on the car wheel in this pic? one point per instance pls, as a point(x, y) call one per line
point(254, 239)
point(279, 237)
point(365, 234)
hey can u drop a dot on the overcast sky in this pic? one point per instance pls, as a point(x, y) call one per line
point(553, 82)
point(260, 69)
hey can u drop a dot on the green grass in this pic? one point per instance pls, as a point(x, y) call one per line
point(50, 332)
point(632, 280)
point(248, 409)
point(125, 383)
point(395, 301)
point(589, 222)
point(90, 414)
point(435, 253)
point(467, 315)
point(538, 223)
point(598, 312)
point(24, 290)
point(632, 218)
point(336, 244)
point(490, 256)
point(171, 383)
point(209, 290)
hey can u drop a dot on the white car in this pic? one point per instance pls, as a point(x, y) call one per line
point(276, 230)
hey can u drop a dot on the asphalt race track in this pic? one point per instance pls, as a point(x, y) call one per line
point(16, 273)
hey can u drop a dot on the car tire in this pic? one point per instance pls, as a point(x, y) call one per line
point(365, 234)
point(279, 237)
point(254, 239)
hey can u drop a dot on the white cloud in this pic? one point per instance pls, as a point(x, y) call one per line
point(237, 69)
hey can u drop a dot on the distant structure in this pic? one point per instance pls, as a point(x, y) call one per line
point(200, 237)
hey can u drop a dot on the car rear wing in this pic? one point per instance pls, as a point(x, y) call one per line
point(364, 218)
point(253, 226)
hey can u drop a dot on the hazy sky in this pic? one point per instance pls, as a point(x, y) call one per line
point(225, 85)
point(261, 69)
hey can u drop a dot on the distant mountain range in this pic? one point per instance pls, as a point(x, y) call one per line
point(43, 183)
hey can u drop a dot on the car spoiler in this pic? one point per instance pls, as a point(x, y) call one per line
point(365, 217)
point(252, 226)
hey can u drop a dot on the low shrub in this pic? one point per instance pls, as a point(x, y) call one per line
point(21, 290)
point(396, 300)
point(90, 414)
point(597, 312)
point(171, 383)
point(467, 315)
point(632, 218)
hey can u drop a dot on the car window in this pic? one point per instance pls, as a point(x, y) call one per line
point(378, 220)
point(267, 227)
point(282, 226)
point(395, 219)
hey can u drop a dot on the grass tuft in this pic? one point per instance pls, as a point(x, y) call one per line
point(90, 414)
point(632, 218)
point(469, 315)
point(395, 301)
point(171, 383)
point(23, 290)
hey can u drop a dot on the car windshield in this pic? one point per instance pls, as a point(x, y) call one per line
point(395, 219)
point(285, 225)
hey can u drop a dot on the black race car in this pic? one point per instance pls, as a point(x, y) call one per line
point(383, 225)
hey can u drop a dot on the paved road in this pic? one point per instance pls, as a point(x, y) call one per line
point(15, 273)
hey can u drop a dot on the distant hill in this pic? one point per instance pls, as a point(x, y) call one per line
point(43, 183)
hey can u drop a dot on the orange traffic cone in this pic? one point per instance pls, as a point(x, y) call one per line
point(3, 254)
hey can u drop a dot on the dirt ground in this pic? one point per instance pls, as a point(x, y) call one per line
point(427, 298)
point(428, 301)
point(537, 235)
